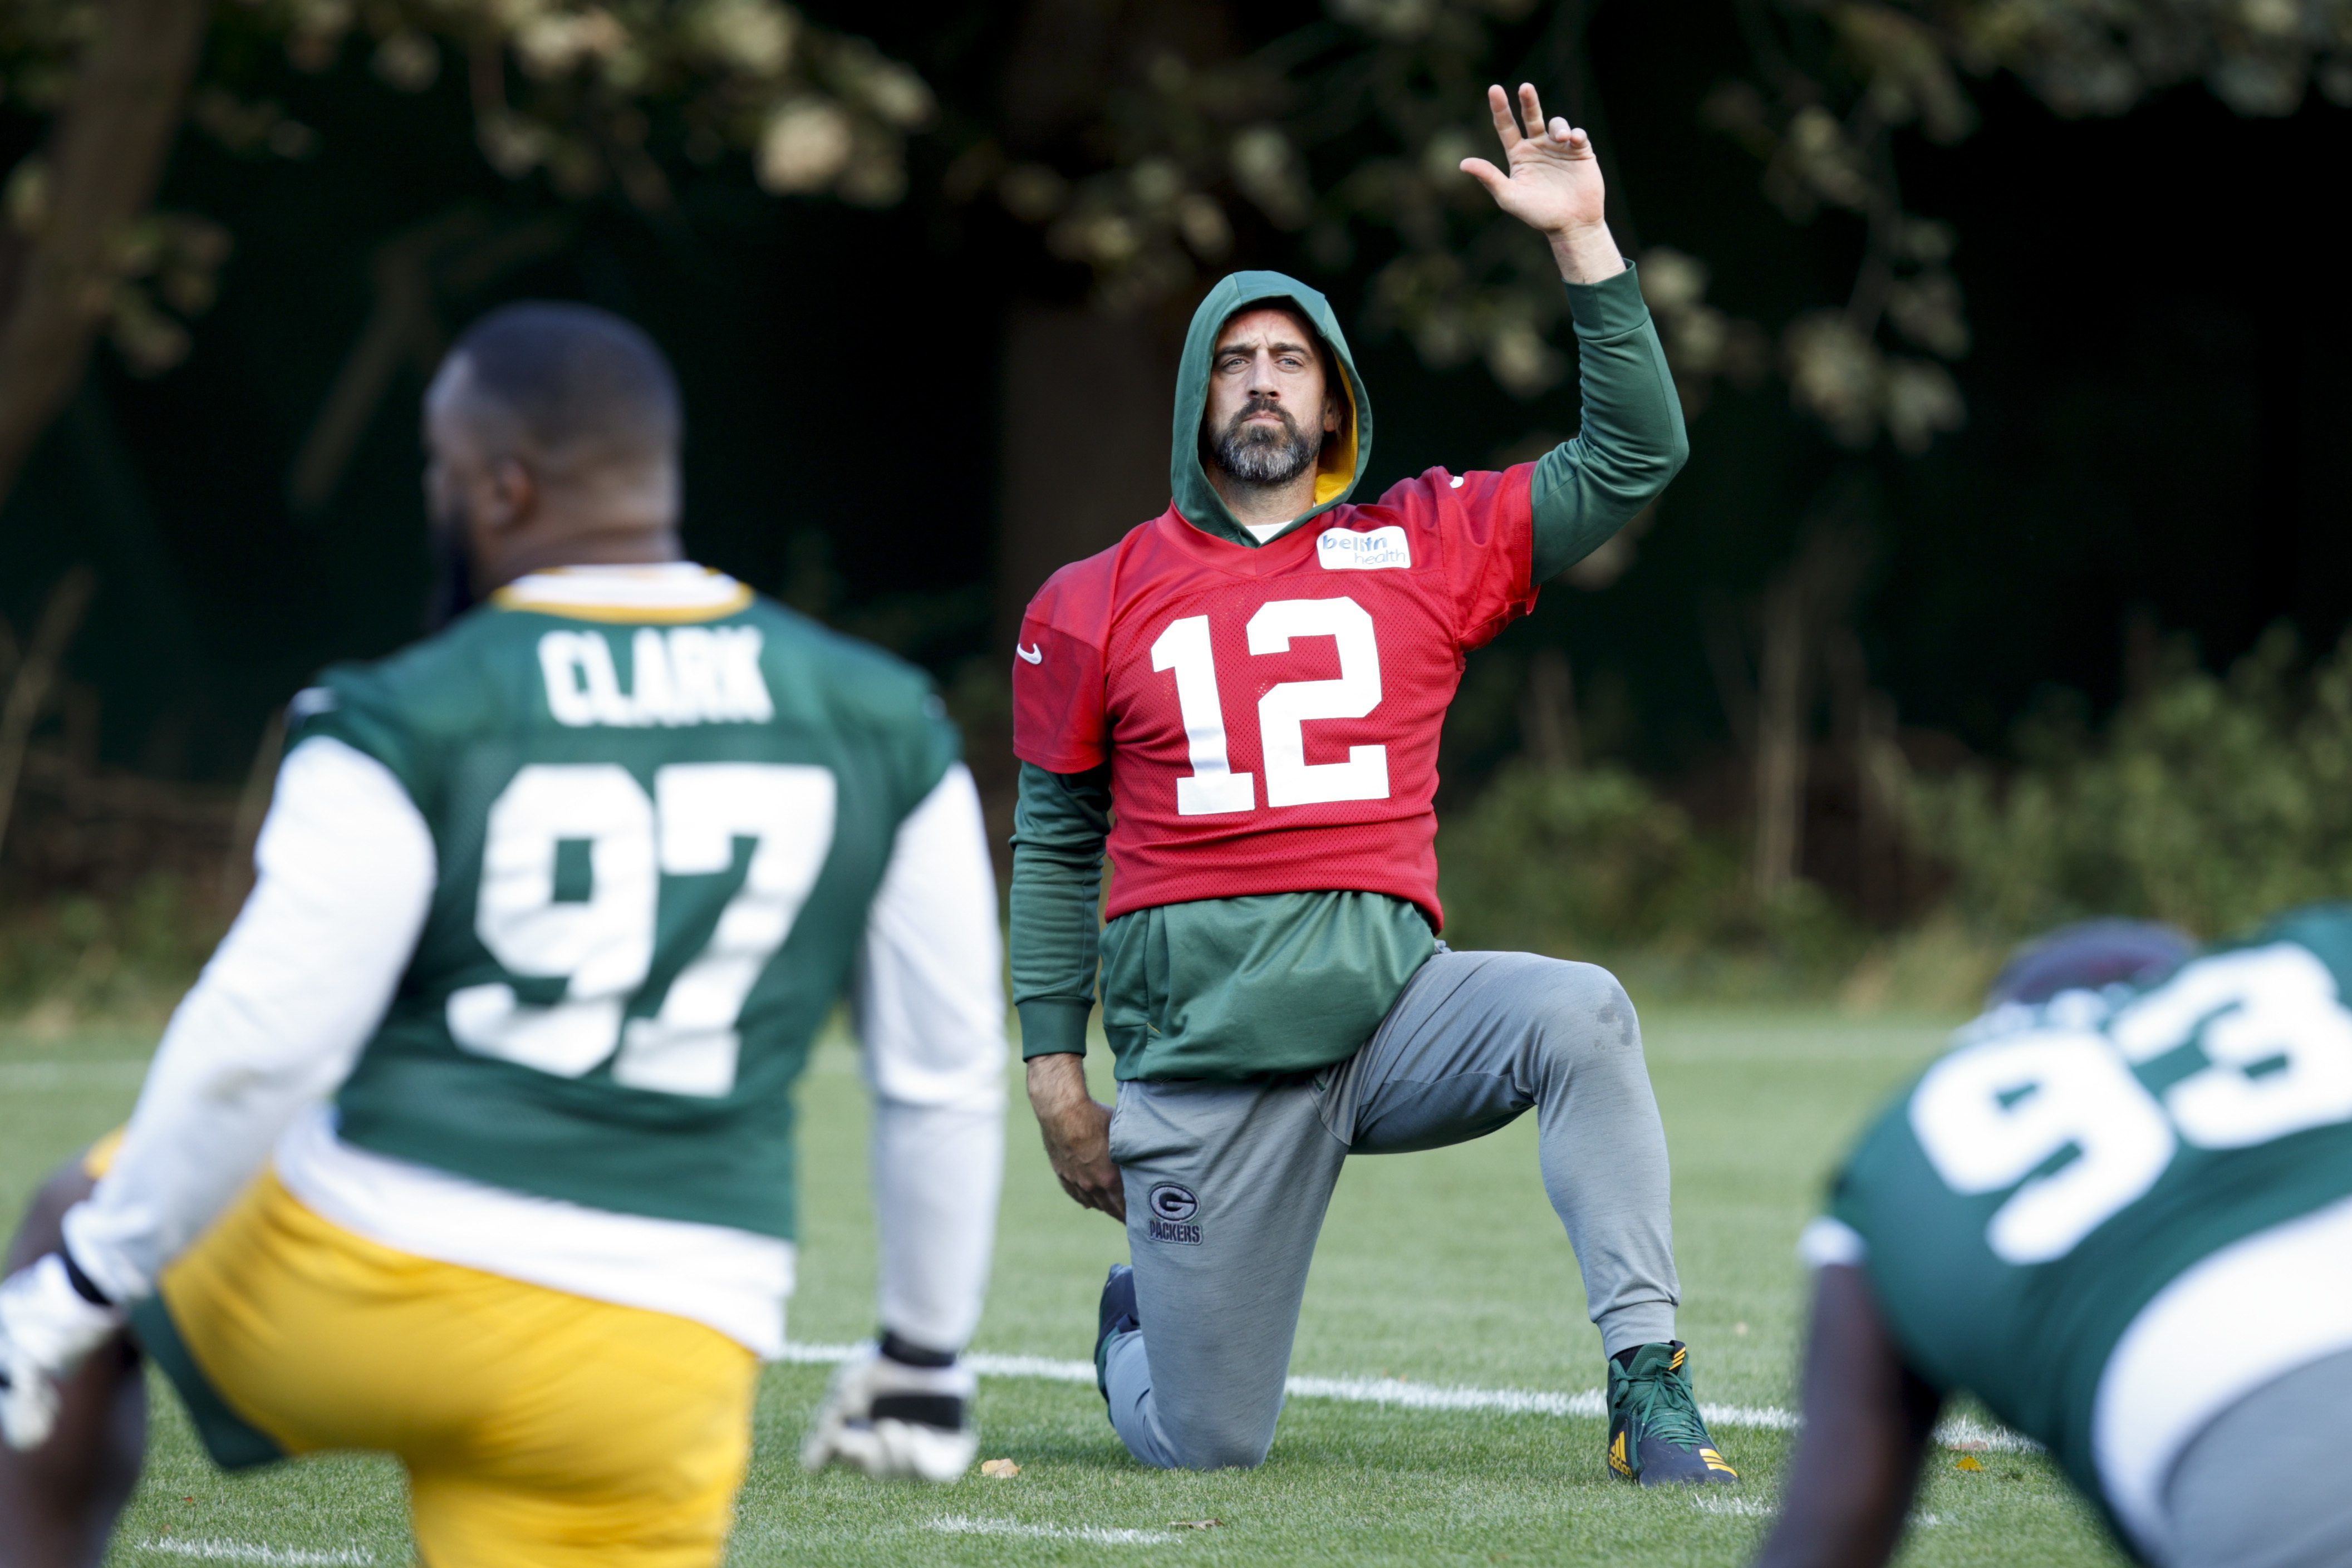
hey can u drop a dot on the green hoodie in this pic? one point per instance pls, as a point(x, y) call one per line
point(1344, 456)
point(1232, 989)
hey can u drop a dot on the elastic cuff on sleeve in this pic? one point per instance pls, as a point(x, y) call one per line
point(1611, 306)
point(1054, 1026)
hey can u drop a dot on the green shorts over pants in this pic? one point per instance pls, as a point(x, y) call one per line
point(1227, 1184)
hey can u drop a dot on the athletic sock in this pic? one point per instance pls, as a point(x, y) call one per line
point(908, 1355)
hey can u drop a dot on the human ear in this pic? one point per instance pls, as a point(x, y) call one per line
point(511, 494)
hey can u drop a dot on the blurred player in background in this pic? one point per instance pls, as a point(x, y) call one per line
point(473, 1144)
point(2119, 1213)
point(1253, 684)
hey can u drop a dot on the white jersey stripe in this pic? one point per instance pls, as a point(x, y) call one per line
point(2253, 1311)
point(667, 586)
point(733, 1281)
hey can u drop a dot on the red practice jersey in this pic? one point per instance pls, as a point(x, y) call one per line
point(1271, 716)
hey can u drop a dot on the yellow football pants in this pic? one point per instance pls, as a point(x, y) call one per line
point(539, 1430)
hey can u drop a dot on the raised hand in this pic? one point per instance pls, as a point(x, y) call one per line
point(1554, 185)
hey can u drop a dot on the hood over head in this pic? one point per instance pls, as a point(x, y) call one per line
point(1346, 453)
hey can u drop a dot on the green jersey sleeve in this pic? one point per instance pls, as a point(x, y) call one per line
point(1632, 442)
point(1059, 828)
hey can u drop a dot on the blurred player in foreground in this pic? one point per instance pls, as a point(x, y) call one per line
point(1252, 685)
point(473, 1144)
point(2118, 1212)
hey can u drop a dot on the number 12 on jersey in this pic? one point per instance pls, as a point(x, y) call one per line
point(1213, 788)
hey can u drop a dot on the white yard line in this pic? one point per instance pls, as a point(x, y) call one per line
point(1965, 1431)
point(252, 1551)
point(1397, 1391)
point(957, 1524)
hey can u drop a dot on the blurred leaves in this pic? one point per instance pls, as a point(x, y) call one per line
point(1347, 134)
point(1339, 138)
point(1558, 860)
point(1835, 82)
point(1590, 863)
point(620, 98)
point(2208, 801)
point(129, 956)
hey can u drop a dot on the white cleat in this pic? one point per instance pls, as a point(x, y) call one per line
point(895, 1422)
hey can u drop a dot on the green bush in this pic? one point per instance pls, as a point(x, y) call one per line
point(1591, 864)
point(73, 956)
point(2208, 803)
point(1548, 859)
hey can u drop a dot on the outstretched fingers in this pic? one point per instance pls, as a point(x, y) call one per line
point(1531, 110)
point(1507, 125)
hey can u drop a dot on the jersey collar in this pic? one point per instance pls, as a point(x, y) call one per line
point(668, 590)
point(1280, 555)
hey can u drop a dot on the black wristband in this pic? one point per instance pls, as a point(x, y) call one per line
point(84, 1286)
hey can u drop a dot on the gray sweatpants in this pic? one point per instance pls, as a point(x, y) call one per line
point(2262, 1486)
point(1227, 1185)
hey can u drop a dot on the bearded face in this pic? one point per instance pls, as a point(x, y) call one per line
point(1258, 452)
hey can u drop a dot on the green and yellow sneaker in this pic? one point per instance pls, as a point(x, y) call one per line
point(1655, 1434)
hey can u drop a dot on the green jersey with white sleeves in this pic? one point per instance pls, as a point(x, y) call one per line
point(658, 827)
point(2111, 1216)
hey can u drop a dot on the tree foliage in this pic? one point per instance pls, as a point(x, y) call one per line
point(594, 96)
point(1836, 83)
point(2209, 802)
point(1349, 132)
point(1337, 139)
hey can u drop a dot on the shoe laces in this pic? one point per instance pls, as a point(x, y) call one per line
point(1670, 1413)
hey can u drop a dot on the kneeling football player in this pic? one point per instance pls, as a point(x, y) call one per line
point(473, 1144)
point(1252, 685)
point(2119, 1212)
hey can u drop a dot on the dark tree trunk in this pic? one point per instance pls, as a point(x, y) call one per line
point(1087, 408)
point(105, 156)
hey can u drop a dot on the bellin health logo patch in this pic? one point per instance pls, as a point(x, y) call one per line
point(1374, 549)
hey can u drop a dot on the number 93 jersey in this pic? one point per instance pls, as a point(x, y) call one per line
point(1271, 716)
point(659, 816)
point(2113, 1214)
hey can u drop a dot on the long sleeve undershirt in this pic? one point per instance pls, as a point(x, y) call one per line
point(346, 872)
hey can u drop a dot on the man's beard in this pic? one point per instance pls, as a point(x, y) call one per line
point(1259, 454)
point(452, 591)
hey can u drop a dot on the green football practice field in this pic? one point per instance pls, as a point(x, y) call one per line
point(1439, 1273)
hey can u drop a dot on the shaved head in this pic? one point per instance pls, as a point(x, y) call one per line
point(572, 391)
point(551, 435)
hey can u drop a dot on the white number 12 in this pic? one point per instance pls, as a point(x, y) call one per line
point(1213, 788)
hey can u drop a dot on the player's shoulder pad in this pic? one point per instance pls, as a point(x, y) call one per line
point(856, 675)
point(1078, 600)
point(2326, 928)
point(858, 687)
point(399, 708)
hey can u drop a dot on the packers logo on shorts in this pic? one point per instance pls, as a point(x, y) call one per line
point(1172, 1208)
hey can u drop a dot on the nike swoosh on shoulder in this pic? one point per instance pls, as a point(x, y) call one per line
point(1032, 655)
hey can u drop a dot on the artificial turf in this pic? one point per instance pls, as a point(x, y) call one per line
point(1444, 1268)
